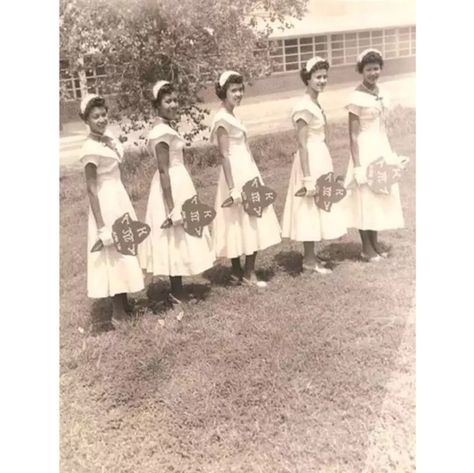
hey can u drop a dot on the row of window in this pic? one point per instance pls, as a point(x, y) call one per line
point(341, 48)
point(285, 54)
point(75, 85)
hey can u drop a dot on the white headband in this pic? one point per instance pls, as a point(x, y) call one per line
point(367, 51)
point(157, 87)
point(87, 98)
point(225, 75)
point(313, 61)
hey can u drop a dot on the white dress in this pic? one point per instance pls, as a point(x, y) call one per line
point(108, 271)
point(366, 210)
point(172, 251)
point(302, 219)
point(236, 233)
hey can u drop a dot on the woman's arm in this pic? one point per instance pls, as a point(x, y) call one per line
point(354, 128)
point(91, 183)
point(223, 145)
point(162, 152)
point(302, 137)
point(309, 183)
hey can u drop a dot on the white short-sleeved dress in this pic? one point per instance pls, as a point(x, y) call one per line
point(366, 210)
point(108, 271)
point(302, 219)
point(236, 233)
point(172, 251)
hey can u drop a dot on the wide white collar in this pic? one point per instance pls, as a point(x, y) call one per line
point(223, 114)
point(161, 129)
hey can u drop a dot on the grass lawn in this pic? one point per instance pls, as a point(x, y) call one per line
point(315, 374)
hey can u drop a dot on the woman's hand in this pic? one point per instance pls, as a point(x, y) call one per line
point(360, 175)
point(309, 183)
point(402, 161)
point(105, 236)
point(176, 217)
point(236, 196)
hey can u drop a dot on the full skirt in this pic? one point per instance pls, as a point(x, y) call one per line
point(302, 219)
point(172, 251)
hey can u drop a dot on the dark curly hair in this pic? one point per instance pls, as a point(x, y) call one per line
point(221, 91)
point(95, 102)
point(165, 90)
point(369, 58)
point(306, 76)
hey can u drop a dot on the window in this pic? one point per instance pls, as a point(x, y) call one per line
point(277, 67)
point(306, 56)
point(351, 55)
point(390, 44)
point(278, 63)
point(321, 46)
point(413, 40)
point(320, 49)
point(307, 48)
point(364, 40)
point(377, 43)
point(276, 48)
point(351, 43)
point(342, 48)
point(74, 85)
point(94, 77)
point(308, 40)
point(69, 82)
point(292, 67)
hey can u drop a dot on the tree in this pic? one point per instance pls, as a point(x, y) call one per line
point(188, 42)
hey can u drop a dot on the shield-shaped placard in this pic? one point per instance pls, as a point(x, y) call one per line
point(127, 235)
point(196, 216)
point(255, 197)
point(329, 191)
point(381, 176)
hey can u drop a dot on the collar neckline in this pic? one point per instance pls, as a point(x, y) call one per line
point(365, 90)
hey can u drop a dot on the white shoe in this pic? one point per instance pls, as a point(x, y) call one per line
point(372, 259)
point(254, 283)
point(317, 268)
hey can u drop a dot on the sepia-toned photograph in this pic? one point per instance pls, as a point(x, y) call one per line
point(237, 236)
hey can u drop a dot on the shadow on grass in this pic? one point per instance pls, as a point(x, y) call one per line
point(101, 316)
point(197, 292)
point(220, 275)
point(343, 251)
point(101, 312)
point(158, 292)
point(290, 261)
point(265, 274)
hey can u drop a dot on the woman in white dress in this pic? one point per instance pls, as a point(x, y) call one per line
point(109, 273)
point(302, 219)
point(367, 211)
point(171, 251)
point(236, 233)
